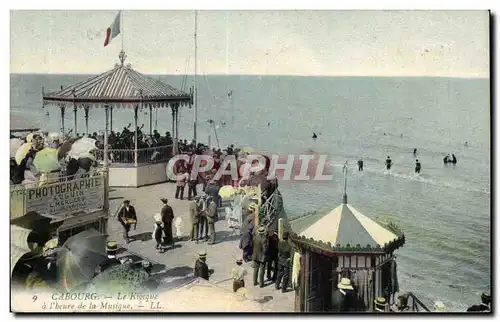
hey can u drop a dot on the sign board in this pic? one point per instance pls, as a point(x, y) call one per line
point(62, 198)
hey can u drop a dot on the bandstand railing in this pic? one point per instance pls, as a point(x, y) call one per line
point(140, 156)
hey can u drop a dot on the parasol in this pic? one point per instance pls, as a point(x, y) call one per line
point(46, 160)
point(15, 144)
point(22, 152)
point(79, 258)
point(35, 222)
point(65, 148)
point(81, 148)
point(227, 191)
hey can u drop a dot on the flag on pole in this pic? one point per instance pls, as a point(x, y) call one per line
point(113, 30)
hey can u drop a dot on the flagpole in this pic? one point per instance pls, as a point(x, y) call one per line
point(121, 26)
point(195, 92)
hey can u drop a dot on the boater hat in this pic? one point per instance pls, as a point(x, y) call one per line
point(164, 200)
point(202, 254)
point(345, 284)
point(239, 261)
point(111, 246)
point(261, 230)
point(380, 304)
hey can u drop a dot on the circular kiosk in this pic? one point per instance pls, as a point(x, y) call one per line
point(345, 244)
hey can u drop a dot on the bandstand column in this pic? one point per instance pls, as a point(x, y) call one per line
point(106, 153)
point(156, 118)
point(173, 129)
point(86, 109)
point(150, 120)
point(177, 121)
point(63, 109)
point(135, 134)
point(111, 118)
point(74, 111)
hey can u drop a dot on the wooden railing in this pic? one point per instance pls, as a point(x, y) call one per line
point(415, 304)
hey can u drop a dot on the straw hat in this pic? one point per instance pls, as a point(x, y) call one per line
point(202, 254)
point(380, 304)
point(261, 230)
point(146, 264)
point(111, 246)
point(239, 261)
point(345, 284)
point(164, 200)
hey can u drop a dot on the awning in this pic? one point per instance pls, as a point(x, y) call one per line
point(18, 124)
point(79, 219)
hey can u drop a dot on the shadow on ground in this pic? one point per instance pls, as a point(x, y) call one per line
point(226, 236)
point(265, 299)
point(142, 237)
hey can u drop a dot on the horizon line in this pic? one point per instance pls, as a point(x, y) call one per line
point(265, 75)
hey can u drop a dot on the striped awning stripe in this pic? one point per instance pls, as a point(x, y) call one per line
point(119, 87)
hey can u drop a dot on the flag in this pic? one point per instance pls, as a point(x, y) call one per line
point(113, 30)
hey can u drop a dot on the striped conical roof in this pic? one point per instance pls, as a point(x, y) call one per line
point(345, 225)
point(122, 87)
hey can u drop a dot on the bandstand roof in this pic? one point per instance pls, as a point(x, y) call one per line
point(120, 87)
point(345, 229)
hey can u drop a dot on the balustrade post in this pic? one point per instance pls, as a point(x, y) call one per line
point(135, 138)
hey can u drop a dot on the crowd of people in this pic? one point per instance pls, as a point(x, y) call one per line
point(23, 168)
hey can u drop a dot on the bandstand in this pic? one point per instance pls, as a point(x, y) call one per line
point(123, 87)
point(345, 243)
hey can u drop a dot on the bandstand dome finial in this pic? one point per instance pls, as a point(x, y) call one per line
point(122, 56)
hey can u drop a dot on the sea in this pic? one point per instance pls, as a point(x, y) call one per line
point(444, 212)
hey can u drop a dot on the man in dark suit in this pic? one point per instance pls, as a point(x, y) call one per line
point(167, 217)
point(211, 215)
point(201, 267)
point(284, 261)
point(260, 245)
point(127, 217)
point(272, 256)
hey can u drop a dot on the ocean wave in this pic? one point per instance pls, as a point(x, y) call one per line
point(421, 178)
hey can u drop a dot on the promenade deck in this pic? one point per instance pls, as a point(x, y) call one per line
point(220, 256)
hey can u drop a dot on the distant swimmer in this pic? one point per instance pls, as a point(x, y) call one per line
point(454, 159)
point(414, 152)
point(418, 166)
point(315, 136)
point(360, 165)
point(268, 123)
point(446, 159)
point(401, 134)
point(385, 133)
point(388, 163)
point(47, 114)
point(466, 144)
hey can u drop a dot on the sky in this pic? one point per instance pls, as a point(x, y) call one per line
point(293, 42)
